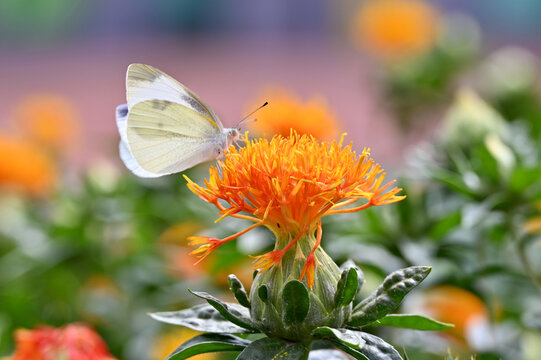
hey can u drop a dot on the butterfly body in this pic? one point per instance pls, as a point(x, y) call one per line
point(164, 127)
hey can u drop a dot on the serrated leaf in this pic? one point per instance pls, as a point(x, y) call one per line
point(208, 343)
point(236, 287)
point(347, 337)
point(414, 322)
point(272, 348)
point(296, 302)
point(388, 295)
point(238, 315)
point(201, 317)
point(346, 288)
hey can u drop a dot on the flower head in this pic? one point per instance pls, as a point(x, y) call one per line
point(72, 342)
point(288, 185)
point(395, 28)
point(287, 111)
point(27, 167)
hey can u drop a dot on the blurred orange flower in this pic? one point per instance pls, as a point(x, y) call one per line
point(71, 342)
point(395, 28)
point(456, 306)
point(287, 111)
point(48, 119)
point(25, 166)
point(167, 342)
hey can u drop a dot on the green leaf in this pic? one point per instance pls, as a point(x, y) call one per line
point(201, 317)
point(238, 291)
point(445, 224)
point(263, 293)
point(272, 348)
point(346, 288)
point(388, 295)
point(414, 322)
point(377, 349)
point(347, 337)
point(522, 178)
point(369, 346)
point(238, 315)
point(360, 275)
point(208, 343)
point(296, 302)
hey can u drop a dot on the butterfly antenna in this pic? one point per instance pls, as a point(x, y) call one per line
point(245, 119)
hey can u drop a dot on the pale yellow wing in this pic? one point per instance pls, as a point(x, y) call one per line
point(165, 137)
point(144, 82)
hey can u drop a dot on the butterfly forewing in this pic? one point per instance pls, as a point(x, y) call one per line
point(165, 137)
point(144, 82)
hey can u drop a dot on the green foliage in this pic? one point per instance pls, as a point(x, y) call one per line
point(294, 310)
point(268, 348)
point(231, 312)
point(238, 290)
point(296, 302)
point(347, 287)
point(204, 318)
point(388, 296)
point(415, 322)
point(208, 343)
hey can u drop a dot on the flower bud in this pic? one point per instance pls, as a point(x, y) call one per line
point(284, 307)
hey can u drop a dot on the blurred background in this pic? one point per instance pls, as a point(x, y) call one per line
point(445, 93)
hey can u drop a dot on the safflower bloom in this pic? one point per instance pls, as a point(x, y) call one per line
point(72, 342)
point(288, 185)
point(288, 111)
point(25, 166)
point(395, 28)
point(48, 119)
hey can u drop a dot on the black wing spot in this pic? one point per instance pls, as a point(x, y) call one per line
point(160, 104)
point(122, 110)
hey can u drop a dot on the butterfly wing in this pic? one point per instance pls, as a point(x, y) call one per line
point(165, 137)
point(144, 82)
point(125, 153)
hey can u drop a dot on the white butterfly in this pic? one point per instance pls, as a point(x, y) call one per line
point(165, 128)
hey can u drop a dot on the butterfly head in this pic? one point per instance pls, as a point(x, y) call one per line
point(233, 135)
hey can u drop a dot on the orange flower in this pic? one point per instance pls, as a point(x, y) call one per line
point(48, 119)
point(288, 185)
point(395, 28)
point(72, 342)
point(25, 166)
point(287, 111)
point(456, 306)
